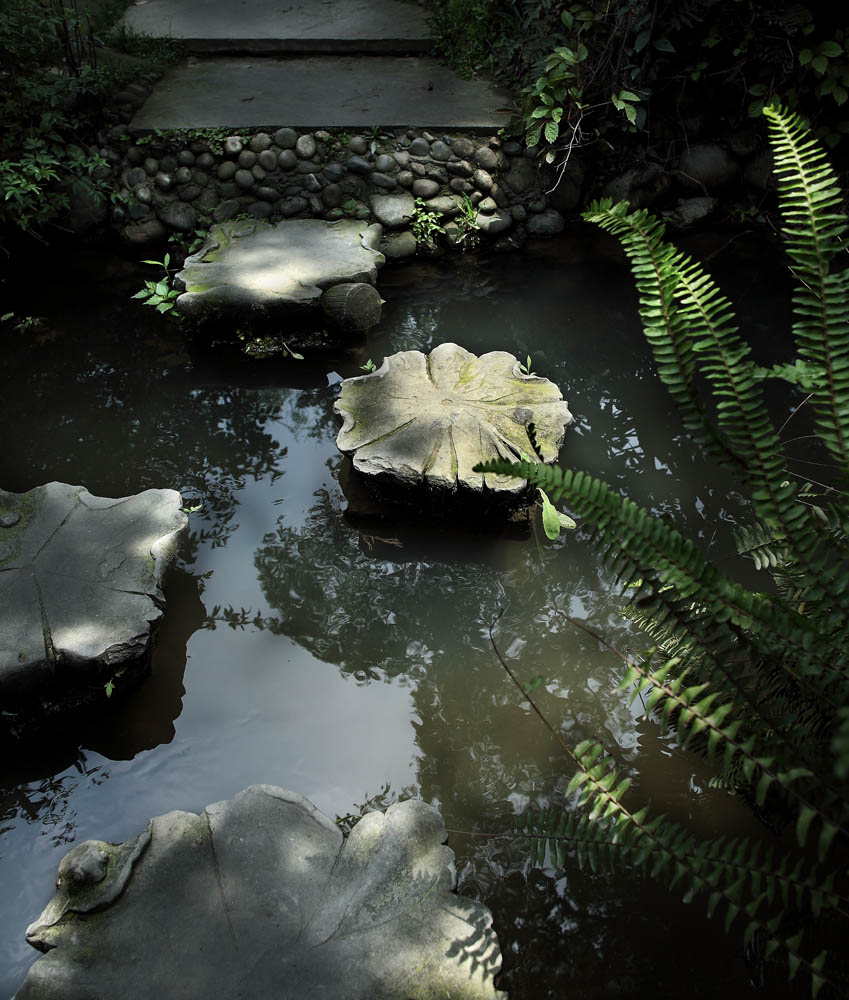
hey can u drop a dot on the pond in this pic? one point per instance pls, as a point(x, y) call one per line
point(355, 667)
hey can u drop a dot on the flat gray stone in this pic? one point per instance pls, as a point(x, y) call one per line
point(321, 92)
point(80, 583)
point(432, 418)
point(276, 268)
point(393, 211)
point(299, 26)
point(261, 896)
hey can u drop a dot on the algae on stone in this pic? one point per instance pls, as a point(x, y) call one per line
point(276, 269)
point(432, 418)
point(261, 896)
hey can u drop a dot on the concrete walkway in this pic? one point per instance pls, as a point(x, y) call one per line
point(312, 64)
point(282, 26)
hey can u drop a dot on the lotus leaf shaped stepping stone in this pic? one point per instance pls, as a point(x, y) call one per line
point(80, 586)
point(432, 418)
point(261, 896)
point(276, 270)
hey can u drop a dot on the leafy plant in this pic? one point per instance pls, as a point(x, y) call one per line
point(466, 221)
point(757, 681)
point(161, 294)
point(552, 519)
point(368, 367)
point(425, 224)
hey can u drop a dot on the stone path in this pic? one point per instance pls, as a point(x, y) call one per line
point(305, 26)
point(310, 64)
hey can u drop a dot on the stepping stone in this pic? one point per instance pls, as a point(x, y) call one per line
point(277, 270)
point(261, 896)
point(396, 26)
point(80, 587)
point(347, 92)
point(429, 419)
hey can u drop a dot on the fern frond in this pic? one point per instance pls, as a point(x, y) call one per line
point(680, 302)
point(653, 550)
point(815, 228)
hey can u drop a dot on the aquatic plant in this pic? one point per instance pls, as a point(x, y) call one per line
point(757, 681)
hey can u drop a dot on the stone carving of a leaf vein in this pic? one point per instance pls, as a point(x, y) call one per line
point(432, 418)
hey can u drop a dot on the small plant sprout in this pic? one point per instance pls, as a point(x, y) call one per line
point(368, 367)
point(292, 354)
point(160, 294)
point(526, 368)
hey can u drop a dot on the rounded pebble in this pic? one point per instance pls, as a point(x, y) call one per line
point(247, 159)
point(205, 161)
point(285, 138)
point(305, 147)
point(424, 187)
point(260, 209)
point(486, 158)
point(267, 159)
point(244, 178)
point(287, 160)
point(226, 170)
point(261, 141)
point(233, 145)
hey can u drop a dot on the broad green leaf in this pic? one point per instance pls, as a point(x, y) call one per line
point(550, 520)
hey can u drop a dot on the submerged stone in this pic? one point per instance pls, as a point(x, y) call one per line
point(261, 896)
point(80, 587)
point(429, 419)
point(276, 269)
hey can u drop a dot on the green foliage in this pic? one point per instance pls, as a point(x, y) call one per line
point(51, 94)
point(757, 681)
point(466, 221)
point(368, 367)
point(161, 294)
point(552, 519)
point(425, 225)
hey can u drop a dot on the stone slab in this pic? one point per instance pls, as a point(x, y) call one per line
point(80, 583)
point(276, 269)
point(429, 419)
point(261, 896)
point(395, 26)
point(321, 92)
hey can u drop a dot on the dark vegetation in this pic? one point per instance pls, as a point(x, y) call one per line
point(756, 680)
point(60, 62)
point(641, 78)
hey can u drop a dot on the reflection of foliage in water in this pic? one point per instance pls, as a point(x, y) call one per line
point(46, 802)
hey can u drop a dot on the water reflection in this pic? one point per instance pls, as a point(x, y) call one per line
point(365, 655)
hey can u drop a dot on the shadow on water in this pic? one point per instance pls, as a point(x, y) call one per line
point(308, 650)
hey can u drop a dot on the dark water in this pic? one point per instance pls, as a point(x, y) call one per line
point(360, 665)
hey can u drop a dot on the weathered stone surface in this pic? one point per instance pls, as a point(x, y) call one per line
point(546, 223)
point(707, 166)
point(276, 269)
point(352, 306)
point(521, 175)
point(80, 583)
point(261, 896)
point(431, 419)
point(400, 245)
point(394, 211)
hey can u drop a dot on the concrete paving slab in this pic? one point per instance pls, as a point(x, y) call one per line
point(321, 92)
point(271, 26)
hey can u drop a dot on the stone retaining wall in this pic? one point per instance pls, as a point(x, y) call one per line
point(182, 181)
